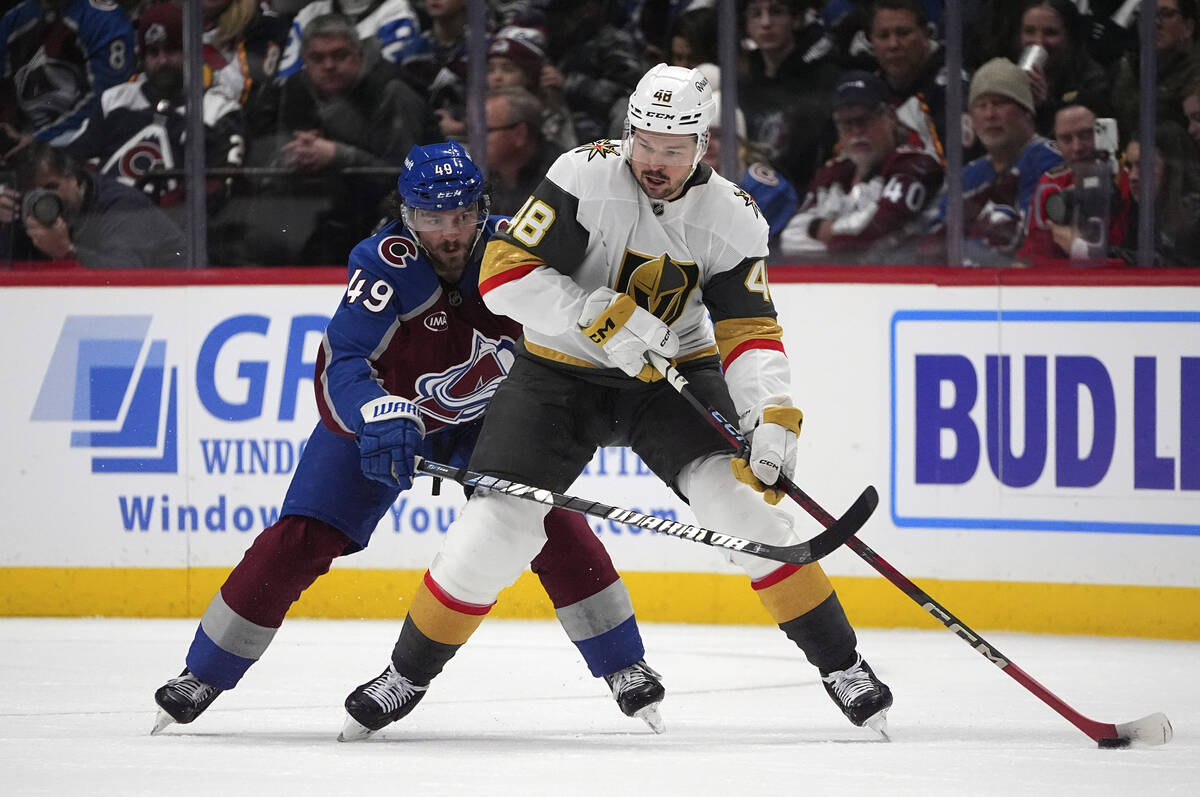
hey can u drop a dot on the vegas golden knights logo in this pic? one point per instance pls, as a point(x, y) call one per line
point(658, 284)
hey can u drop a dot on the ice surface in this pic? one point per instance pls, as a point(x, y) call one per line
point(516, 713)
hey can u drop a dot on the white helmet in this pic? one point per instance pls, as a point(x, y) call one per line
point(671, 99)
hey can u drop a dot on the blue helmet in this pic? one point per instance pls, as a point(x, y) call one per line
point(440, 177)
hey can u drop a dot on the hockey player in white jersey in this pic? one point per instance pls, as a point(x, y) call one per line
point(623, 250)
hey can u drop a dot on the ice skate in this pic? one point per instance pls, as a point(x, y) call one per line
point(181, 700)
point(861, 696)
point(638, 692)
point(380, 701)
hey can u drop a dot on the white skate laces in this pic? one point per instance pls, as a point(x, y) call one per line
point(850, 684)
point(391, 690)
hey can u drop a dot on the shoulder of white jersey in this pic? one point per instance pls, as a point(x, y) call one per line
point(591, 166)
point(218, 104)
point(730, 213)
point(125, 95)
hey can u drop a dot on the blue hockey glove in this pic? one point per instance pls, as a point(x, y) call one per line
point(390, 440)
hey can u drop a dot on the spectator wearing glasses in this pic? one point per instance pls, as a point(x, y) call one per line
point(1178, 67)
point(518, 154)
point(867, 202)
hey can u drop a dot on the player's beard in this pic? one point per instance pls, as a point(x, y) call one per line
point(449, 258)
point(657, 184)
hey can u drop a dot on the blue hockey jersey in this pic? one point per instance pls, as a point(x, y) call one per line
point(401, 331)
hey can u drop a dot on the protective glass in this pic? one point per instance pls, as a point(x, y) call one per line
point(419, 220)
point(661, 149)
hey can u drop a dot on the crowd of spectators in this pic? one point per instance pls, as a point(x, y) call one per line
point(842, 126)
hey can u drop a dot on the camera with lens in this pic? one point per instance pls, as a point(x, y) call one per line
point(1089, 200)
point(42, 204)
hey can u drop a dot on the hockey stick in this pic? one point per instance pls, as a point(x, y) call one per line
point(799, 554)
point(1152, 729)
point(852, 519)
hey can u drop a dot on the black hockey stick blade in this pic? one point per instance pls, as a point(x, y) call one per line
point(845, 527)
point(799, 554)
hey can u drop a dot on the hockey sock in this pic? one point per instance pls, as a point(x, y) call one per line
point(825, 636)
point(589, 598)
point(436, 627)
point(239, 624)
point(803, 603)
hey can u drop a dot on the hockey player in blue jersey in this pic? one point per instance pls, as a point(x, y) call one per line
point(407, 366)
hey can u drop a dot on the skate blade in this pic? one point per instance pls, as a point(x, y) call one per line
point(651, 717)
point(878, 723)
point(161, 721)
point(353, 731)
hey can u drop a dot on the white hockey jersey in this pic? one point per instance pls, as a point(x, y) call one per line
point(696, 262)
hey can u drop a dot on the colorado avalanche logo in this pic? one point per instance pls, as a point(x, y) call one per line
point(397, 250)
point(461, 393)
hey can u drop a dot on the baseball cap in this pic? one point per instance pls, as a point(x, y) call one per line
point(857, 87)
point(161, 25)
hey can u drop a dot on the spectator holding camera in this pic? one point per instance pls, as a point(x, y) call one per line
point(868, 202)
point(1077, 210)
point(1075, 203)
point(70, 214)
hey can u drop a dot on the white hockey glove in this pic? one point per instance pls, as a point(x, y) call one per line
point(390, 440)
point(615, 323)
point(772, 451)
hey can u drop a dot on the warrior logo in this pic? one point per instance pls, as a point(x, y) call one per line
point(658, 284)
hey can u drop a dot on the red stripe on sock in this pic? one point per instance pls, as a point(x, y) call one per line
point(452, 603)
point(774, 577)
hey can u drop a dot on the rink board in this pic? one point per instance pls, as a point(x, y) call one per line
point(1036, 448)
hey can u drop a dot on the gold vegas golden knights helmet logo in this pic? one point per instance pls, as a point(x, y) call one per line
point(658, 284)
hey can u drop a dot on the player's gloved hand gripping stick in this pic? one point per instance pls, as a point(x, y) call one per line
point(1149, 730)
point(389, 440)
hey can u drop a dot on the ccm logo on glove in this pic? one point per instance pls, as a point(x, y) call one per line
point(615, 323)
